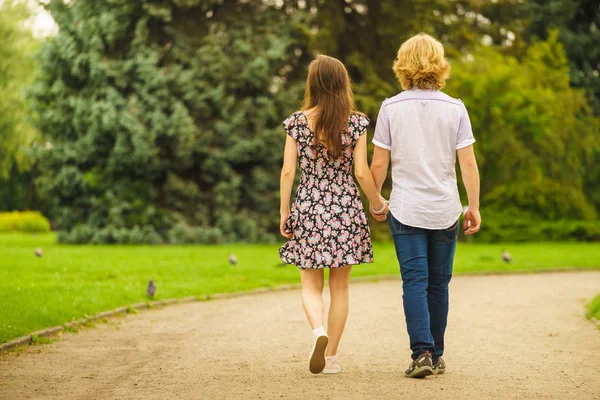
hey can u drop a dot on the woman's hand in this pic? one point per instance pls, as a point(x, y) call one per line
point(284, 216)
point(383, 210)
point(288, 172)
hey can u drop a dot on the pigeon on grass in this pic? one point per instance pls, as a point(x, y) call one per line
point(151, 289)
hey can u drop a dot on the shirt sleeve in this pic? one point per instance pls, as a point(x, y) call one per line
point(383, 137)
point(465, 132)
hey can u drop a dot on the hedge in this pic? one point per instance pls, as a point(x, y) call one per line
point(26, 221)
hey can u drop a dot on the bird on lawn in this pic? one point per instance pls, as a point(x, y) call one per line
point(232, 259)
point(38, 252)
point(151, 289)
point(506, 256)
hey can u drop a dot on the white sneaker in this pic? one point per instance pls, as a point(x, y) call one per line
point(332, 365)
point(316, 362)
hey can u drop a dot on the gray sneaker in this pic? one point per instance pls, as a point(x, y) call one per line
point(421, 367)
point(439, 367)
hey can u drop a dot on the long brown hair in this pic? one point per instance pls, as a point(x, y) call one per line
point(329, 92)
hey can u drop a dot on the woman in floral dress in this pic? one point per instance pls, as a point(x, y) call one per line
point(326, 225)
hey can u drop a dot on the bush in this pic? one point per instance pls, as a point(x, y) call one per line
point(83, 233)
point(510, 225)
point(185, 234)
point(27, 221)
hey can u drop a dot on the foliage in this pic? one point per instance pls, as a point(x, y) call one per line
point(28, 221)
point(16, 72)
point(165, 115)
point(366, 34)
point(578, 23)
point(511, 225)
point(506, 227)
point(538, 139)
point(17, 191)
point(536, 135)
point(72, 281)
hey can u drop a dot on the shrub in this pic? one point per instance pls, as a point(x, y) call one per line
point(83, 233)
point(510, 225)
point(185, 234)
point(26, 221)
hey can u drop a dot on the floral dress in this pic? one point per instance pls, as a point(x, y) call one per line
point(327, 218)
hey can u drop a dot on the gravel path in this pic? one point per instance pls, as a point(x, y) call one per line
point(510, 336)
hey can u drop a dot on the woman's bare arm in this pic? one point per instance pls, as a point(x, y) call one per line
point(286, 182)
point(363, 174)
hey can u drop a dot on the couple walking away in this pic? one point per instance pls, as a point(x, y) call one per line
point(422, 130)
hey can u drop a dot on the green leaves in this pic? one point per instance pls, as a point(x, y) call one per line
point(173, 101)
point(16, 70)
point(164, 117)
point(535, 133)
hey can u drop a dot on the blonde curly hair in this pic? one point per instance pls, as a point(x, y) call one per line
point(420, 64)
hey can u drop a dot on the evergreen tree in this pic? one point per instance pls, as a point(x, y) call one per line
point(164, 117)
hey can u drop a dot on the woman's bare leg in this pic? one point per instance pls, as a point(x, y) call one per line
point(312, 296)
point(339, 281)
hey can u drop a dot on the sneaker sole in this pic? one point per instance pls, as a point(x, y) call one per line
point(438, 371)
point(332, 371)
point(316, 363)
point(421, 372)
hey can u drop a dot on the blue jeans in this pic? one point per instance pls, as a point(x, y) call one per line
point(426, 258)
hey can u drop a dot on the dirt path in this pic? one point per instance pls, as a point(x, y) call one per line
point(514, 336)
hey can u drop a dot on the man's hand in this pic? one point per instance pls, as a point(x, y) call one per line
point(472, 221)
point(383, 215)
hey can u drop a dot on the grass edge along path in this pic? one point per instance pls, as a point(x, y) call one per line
point(593, 312)
point(45, 336)
point(69, 283)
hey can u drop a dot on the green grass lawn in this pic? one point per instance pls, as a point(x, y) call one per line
point(594, 308)
point(69, 282)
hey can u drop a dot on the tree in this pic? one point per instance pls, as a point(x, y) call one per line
point(366, 34)
point(578, 23)
point(16, 72)
point(536, 134)
point(164, 117)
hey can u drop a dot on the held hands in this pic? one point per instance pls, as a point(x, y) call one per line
point(472, 221)
point(380, 214)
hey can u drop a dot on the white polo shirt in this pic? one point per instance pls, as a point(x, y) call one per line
point(423, 129)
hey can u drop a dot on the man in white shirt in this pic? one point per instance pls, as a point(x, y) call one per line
point(423, 130)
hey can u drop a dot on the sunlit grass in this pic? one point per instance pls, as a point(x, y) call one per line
point(70, 281)
point(594, 308)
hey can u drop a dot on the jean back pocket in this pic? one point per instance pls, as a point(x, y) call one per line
point(397, 227)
